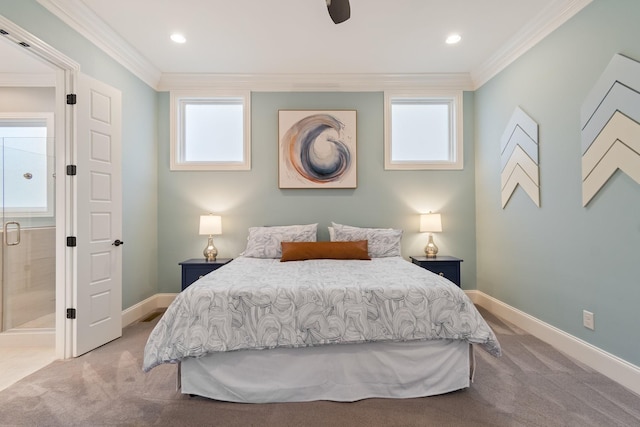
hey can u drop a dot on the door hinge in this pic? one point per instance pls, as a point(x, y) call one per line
point(72, 170)
point(71, 241)
point(71, 99)
point(71, 313)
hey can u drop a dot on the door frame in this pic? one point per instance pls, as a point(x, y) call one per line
point(66, 75)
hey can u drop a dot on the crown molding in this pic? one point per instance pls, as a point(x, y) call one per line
point(556, 14)
point(78, 16)
point(315, 82)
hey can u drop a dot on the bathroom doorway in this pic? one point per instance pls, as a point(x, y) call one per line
point(27, 198)
point(29, 278)
point(88, 288)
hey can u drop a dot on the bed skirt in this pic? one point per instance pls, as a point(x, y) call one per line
point(343, 373)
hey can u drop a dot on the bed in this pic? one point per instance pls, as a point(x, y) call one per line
point(336, 321)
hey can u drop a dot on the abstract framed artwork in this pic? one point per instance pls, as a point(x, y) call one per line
point(317, 149)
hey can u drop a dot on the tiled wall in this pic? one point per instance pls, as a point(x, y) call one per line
point(28, 285)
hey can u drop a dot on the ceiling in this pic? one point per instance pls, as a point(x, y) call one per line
point(298, 37)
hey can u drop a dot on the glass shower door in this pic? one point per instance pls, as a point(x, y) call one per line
point(27, 189)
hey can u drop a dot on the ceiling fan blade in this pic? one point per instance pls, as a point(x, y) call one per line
point(339, 10)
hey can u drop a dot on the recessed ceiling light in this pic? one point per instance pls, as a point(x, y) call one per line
point(453, 39)
point(178, 38)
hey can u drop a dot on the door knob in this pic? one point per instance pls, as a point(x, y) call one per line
point(118, 242)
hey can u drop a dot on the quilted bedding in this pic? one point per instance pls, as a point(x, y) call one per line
point(264, 303)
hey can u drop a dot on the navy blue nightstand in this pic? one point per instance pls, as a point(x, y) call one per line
point(193, 269)
point(446, 266)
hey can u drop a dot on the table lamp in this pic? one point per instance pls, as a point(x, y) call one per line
point(430, 223)
point(210, 225)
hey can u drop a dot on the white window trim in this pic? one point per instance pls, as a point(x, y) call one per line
point(456, 131)
point(176, 162)
point(49, 119)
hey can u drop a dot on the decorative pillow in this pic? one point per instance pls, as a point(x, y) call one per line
point(299, 251)
point(348, 227)
point(264, 242)
point(383, 242)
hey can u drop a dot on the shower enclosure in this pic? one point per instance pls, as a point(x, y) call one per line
point(27, 197)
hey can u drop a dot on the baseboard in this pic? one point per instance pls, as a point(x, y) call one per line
point(607, 364)
point(143, 308)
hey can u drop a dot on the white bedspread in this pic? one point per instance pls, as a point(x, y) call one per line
point(264, 303)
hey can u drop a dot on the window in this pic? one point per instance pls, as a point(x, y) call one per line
point(210, 131)
point(27, 164)
point(423, 131)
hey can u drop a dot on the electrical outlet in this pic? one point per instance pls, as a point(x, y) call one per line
point(588, 320)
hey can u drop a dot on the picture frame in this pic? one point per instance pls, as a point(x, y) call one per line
point(317, 149)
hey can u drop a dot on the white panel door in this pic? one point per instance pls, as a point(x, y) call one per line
point(98, 290)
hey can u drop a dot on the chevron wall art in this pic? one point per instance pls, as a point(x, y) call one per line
point(519, 157)
point(610, 121)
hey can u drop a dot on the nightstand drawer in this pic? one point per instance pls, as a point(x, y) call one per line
point(446, 266)
point(194, 269)
point(193, 273)
point(447, 270)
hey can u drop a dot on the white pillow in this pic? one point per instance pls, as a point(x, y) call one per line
point(265, 242)
point(383, 242)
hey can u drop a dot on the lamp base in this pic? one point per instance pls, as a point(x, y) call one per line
point(431, 250)
point(210, 252)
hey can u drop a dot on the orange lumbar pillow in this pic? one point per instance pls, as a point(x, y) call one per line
point(300, 251)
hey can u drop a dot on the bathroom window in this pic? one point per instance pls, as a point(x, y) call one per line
point(27, 164)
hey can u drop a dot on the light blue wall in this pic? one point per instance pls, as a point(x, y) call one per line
point(139, 148)
point(252, 198)
point(554, 261)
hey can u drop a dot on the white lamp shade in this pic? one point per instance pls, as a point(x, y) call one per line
point(431, 223)
point(210, 224)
